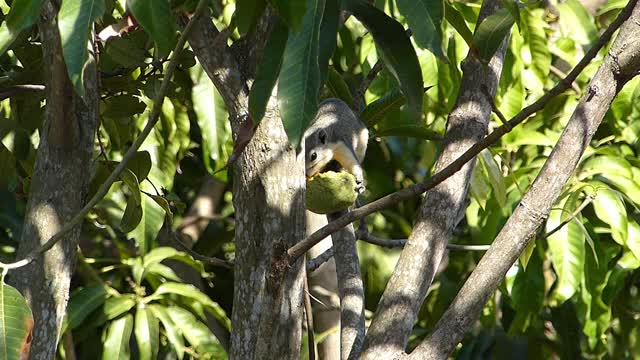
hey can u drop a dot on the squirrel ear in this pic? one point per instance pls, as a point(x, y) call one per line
point(322, 136)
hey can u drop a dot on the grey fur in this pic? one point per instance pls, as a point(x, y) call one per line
point(336, 133)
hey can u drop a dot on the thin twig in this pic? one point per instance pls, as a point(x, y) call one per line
point(19, 89)
point(587, 200)
point(206, 259)
point(309, 315)
point(559, 73)
point(358, 100)
point(104, 188)
point(494, 108)
point(316, 262)
point(413, 191)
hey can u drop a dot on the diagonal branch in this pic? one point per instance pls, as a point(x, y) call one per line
point(413, 191)
point(620, 65)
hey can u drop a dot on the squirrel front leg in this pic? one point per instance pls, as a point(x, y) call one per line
point(347, 159)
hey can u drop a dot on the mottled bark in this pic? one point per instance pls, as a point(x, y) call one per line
point(620, 65)
point(350, 290)
point(268, 196)
point(467, 124)
point(58, 188)
point(268, 188)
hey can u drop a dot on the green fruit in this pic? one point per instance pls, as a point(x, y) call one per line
point(331, 192)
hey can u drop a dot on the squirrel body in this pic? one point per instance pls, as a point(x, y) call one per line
point(336, 134)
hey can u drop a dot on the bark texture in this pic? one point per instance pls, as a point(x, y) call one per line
point(58, 188)
point(620, 65)
point(268, 196)
point(350, 290)
point(467, 124)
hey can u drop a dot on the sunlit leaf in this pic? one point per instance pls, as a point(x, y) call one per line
point(147, 333)
point(424, 17)
point(299, 78)
point(16, 326)
point(74, 21)
point(116, 345)
point(172, 330)
point(491, 32)
point(395, 49)
point(267, 72)
point(157, 20)
point(23, 14)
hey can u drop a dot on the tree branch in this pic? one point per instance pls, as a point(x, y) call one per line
point(350, 290)
point(620, 65)
point(19, 89)
point(104, 188)
point(415, 190)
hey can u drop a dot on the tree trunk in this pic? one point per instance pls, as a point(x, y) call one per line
point(58, 188)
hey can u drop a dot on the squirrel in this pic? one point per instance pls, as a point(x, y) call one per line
point(336, 138)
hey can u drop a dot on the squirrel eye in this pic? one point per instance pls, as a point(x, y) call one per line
point(323, 137)
point(313, 156)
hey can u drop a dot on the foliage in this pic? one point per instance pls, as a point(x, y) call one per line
point(572, 292)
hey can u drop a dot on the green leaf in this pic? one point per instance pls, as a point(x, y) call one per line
point(211, 116)
point(633, 241)
point(140, 165)
point(527, 295)
point(576, 22)
point(147, 333)
point(160, 254)
point(267, 72)
point(191, 292)
point(292, 11)
point(131, 180)
point(338, 86)
point(605, 164)
point(132, 215)
point(247, 14)
point(377, 110)
point(395, 49)
point(172, 330)
point(494, 177)
point(112, 308)
point(424, 17)
point(491, 32)
point(82, 303)
point(328, 37)
point(609, 207)
point(407, 130)
point(116, 345)
point(23, 14)
point(538, 43)
point(122, 106)
point(156, 19)
point(196, 333)
point(147, 230)
point(628, 188)
point(16, 326)
point(299, 78)
point(457, 21)
point(74, 22)
point(567, 253)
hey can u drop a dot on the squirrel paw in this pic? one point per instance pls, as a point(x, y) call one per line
point(360, 187)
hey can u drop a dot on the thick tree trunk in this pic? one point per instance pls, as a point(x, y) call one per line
point(58, 189)
point(268, 195)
